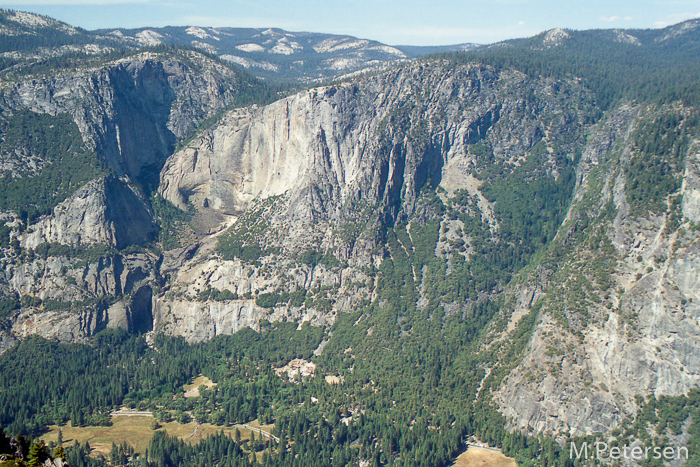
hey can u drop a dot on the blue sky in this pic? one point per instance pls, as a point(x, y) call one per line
point(395, 22)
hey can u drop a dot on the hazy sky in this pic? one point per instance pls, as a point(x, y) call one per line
point(395, 22)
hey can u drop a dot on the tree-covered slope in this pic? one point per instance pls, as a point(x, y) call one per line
point(638, 65)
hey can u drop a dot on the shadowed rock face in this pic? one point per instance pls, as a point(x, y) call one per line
point(106, 211)
point(130, 217)
point(142, 101)
point(141, 311)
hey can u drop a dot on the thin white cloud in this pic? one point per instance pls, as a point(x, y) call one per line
point(673, 19)
point(614, 19)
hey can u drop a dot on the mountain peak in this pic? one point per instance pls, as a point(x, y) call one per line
point(555, 37)
point(26, 23)
point(680, 29)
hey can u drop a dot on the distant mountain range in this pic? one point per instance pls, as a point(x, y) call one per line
point(279, 54)
point(272, 54)
point(302, 57)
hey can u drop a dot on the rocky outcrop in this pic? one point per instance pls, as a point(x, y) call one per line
point(633, 329)
point(183, 310)
point(106, 211)
point(198, 321)
point(72, 298)
point(79, 323)
point(132, 111)
point(691, 185)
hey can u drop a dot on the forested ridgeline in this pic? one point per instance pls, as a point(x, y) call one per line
point(634, 65)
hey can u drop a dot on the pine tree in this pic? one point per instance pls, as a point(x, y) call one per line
point(37, 454)
point(59, 453)
point(283, 444)
point(143, 460)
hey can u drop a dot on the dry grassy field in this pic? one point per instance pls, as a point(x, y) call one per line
point(137, 432)
point(478, 457)
point(192, 390)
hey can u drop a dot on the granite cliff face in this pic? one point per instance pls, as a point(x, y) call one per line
point(349, 157)
point(380, 140)
point(617, 296)
point(105, 211)
point(130, 113)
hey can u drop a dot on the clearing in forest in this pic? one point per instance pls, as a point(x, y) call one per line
point(137, 432)
point(192, 390)
point(480, 457)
